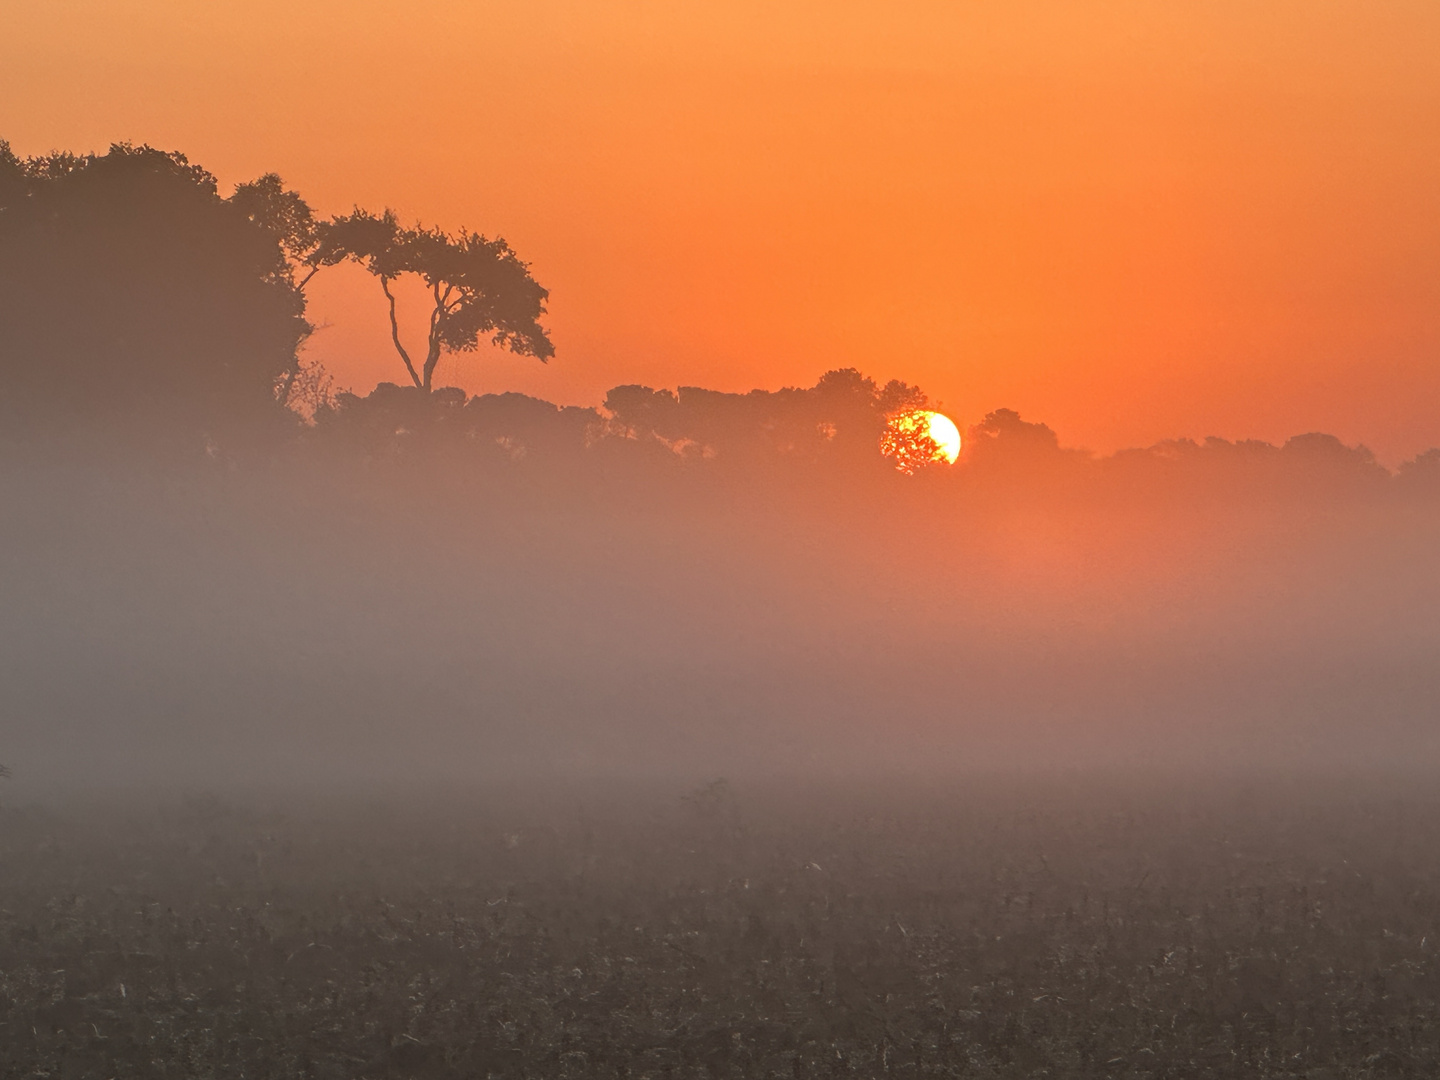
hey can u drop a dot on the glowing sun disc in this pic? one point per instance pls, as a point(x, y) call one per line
point(946, 435)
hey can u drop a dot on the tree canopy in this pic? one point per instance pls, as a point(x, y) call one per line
point(131, 291)
point(479, 287)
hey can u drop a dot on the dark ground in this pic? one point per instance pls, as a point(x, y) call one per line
point(1263, 928)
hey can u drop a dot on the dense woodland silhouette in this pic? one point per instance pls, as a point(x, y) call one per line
point(136, 300)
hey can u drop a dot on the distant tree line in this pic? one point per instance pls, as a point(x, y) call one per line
point(140, 307)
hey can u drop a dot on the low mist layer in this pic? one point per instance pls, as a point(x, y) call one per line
point(200, 586)
point(547, 596)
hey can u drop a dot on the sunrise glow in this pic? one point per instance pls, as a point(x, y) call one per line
point(1176, 219)
point(920, 437)
point(482, 551)
point(945, 434)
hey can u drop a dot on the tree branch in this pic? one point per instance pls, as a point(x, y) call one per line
point(395, 335)
point(287, 383)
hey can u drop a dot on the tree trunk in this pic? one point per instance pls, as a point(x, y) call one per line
point(395, 337)
point(432, 352)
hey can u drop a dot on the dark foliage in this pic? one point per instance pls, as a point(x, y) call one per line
point(837, 424)
point(1014, 935)
point(836, 429)
point(134, 298)
point(479, 287)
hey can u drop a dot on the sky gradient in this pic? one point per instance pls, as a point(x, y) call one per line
point(1133, 221)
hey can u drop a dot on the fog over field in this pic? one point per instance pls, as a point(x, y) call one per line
point(221, 568)
point(473, 607)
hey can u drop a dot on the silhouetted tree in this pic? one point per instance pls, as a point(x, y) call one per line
point(132, 295)
point(906, 439)
point(841, 418)
point(1003, 436)
point(639, 411)
point(285, 216)
point(908, 443)
point(1422, 469)
point(310, 391)
point(520, 425)
point(479, 286)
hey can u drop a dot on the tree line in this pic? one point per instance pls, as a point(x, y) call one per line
point(137, 301)
point(141, 307)
point(133, 294)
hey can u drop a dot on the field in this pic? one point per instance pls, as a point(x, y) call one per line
point(1068, 928)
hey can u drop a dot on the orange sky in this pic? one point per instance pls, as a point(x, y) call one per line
point(1132, 220)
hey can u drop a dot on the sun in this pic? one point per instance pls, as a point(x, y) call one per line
point(920, 437)
point(946, 435)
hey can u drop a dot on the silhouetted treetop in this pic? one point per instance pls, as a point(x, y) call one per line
point(1422, 467)
point(281, 213)
point(1004, 427)
point(841, 417)
point(405, 421)
point(133, 295)
point(479, 287)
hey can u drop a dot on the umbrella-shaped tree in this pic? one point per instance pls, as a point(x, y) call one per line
point(479, 287)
